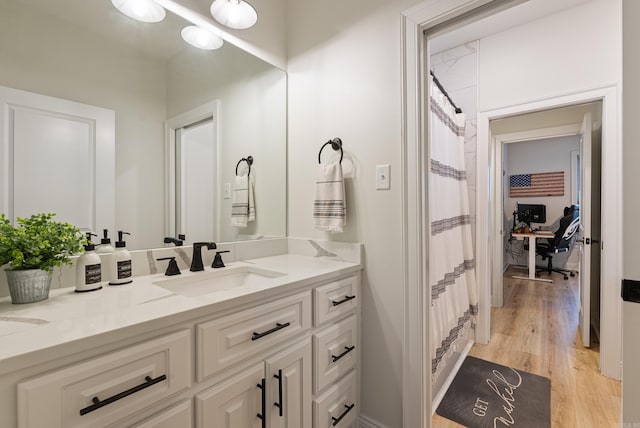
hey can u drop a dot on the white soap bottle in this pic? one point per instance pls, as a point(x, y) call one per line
point(88, 268)
point(122, 272)
point(105, 249)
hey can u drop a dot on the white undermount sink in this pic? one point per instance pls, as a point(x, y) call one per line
point(195, 284)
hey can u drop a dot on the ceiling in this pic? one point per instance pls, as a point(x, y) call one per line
point(160, 40)
point(529, 10)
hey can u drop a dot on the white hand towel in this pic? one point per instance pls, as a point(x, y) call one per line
point(329, 207)
point(243, 208)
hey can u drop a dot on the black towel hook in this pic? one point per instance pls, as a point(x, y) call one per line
point(248, 160)
point(336, 144)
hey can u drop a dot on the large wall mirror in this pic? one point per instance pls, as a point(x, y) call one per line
point(182, 120)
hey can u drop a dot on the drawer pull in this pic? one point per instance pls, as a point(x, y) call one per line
point(261, 416)
point(97, 403)
point(345, 300)
point(337, 420)
point(278, 326)
point(348, 349)
point(279, 403)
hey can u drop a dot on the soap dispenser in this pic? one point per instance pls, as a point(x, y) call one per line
point(121, 273)
point(105, 246)
point(88, 268)
point(105, 250)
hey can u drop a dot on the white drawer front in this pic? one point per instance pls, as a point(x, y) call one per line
point(178, 416)
point(107, 388)
point(335, 352)
point(335, 299)
point(338, 405)
point(225, 341)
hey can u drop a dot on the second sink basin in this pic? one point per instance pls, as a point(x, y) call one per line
point(206, 282)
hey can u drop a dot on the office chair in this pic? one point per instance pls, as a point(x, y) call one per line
point(562, 241)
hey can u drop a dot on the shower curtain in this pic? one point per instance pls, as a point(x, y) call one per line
point(454, 303)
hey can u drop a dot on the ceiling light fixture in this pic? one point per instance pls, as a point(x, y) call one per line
point(140, 10)
point(236, 14)
point(201, 38)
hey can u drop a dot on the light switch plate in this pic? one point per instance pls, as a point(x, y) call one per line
point(383, 179)
point(227, 190)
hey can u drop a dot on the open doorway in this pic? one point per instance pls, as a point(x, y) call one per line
point(522, 68)
point(550, 184)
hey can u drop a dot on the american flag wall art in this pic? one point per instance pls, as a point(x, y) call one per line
point(541, 184)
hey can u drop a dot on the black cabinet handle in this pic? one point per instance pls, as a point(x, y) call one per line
point(337, 420)
point(97, 403)
point(345, 300)
point(278, 326)
point(262, 416)
point(347, 350)
point(279, 403)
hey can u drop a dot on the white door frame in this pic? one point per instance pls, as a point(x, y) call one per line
point(499, 142)
point(210, 109)
point(416, 376)
point(416, 367)
point(611, 275)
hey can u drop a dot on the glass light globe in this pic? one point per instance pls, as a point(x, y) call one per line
point(236, 14)
point(201, 38)
point(140, 10)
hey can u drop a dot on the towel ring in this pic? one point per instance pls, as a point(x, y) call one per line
point(248, 160)
point(336, 144)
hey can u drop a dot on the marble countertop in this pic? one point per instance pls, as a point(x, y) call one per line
point(68, 316)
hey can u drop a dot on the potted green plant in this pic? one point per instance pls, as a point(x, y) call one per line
point(33, 247)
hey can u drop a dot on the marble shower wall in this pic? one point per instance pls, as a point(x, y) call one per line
point(457, 70)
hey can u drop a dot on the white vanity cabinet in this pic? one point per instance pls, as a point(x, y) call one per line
point(288, 358)
point(102, 390)
point(275, 393)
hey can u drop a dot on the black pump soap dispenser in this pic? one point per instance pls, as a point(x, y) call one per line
point(122, 272)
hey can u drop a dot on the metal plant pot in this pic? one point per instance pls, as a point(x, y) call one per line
point(28, 286)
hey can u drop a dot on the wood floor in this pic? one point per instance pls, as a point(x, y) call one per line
point(537, 331)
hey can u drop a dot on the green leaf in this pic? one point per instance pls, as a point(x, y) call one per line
point(38, 242)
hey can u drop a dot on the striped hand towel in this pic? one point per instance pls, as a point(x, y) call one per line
point(243, 209)
point(329, 207)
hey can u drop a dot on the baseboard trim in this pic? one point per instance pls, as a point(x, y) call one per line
point(366, 422)
point(440, 394)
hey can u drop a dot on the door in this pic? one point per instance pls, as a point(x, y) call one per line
point(584, 318)
point(234, 403)
point(57, 156)
point(289, 390)
point(196, 181)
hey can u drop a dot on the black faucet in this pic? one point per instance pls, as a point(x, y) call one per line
point(196, 259)
point(177, 242)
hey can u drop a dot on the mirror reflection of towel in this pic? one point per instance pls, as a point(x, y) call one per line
point(329, 207)
point(243, 209)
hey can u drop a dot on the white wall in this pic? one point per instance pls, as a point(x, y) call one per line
point(631, 210)
point(65, 61)
point(344, 81)
point(548, 155)
point(252, 121)
point(570, 51)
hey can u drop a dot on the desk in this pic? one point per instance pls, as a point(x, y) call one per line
point(532, 252)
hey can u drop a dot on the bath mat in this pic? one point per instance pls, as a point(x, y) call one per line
point(485, 394)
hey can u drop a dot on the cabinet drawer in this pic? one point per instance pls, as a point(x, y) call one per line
point(335, 352)
point(178, 416)
point(337, 406)
point(335, 299)
point(102, 390)
point(225, 341)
